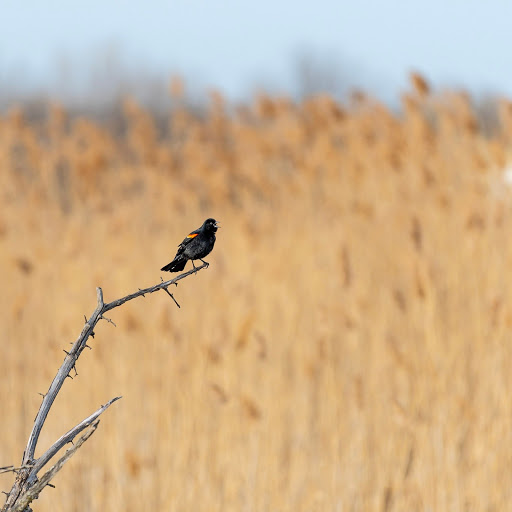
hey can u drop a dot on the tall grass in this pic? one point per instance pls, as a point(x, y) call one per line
point(349, 347)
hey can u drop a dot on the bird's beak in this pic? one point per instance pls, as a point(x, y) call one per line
point(217, 225)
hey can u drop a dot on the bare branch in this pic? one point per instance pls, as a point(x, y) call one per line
point(172, 297)
point(59, 379)
point(32, 492)
point(160, 286)
point(66, 438)
point(26, 486)
point(108, 320)
point(76, 350)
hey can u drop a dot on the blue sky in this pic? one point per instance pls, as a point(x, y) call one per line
point(238, 46)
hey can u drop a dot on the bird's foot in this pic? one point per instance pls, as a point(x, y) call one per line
point(205, 263)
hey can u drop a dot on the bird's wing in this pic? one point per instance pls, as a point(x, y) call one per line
point(187, 240)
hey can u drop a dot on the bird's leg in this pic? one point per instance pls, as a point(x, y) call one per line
point(195, 268)
point(205, 263)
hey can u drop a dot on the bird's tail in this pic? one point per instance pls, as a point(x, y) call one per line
point(176, 265)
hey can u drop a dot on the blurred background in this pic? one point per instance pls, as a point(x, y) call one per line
point(349, 346)
point(90, 53)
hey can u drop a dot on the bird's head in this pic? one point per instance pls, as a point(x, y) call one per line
point(211, 225)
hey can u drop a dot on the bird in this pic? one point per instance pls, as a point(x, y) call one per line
point(196, 246)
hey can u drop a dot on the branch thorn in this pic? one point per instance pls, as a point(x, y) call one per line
point(172, 297)
point(108, 320)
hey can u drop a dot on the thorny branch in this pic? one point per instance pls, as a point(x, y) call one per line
point(32, 492)
point(27, 485)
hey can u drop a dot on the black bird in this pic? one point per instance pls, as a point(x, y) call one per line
point(196, 246)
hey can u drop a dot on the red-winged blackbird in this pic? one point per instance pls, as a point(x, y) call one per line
point(196, 246)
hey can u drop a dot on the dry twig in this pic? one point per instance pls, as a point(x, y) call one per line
point(27, 485)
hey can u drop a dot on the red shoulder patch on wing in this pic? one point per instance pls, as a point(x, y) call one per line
point(192, 235)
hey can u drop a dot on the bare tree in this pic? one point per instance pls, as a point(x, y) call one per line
point(28, 483)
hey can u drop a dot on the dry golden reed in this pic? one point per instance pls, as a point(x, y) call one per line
point(349, 347)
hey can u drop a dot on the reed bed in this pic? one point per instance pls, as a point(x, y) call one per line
point(349, 347)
